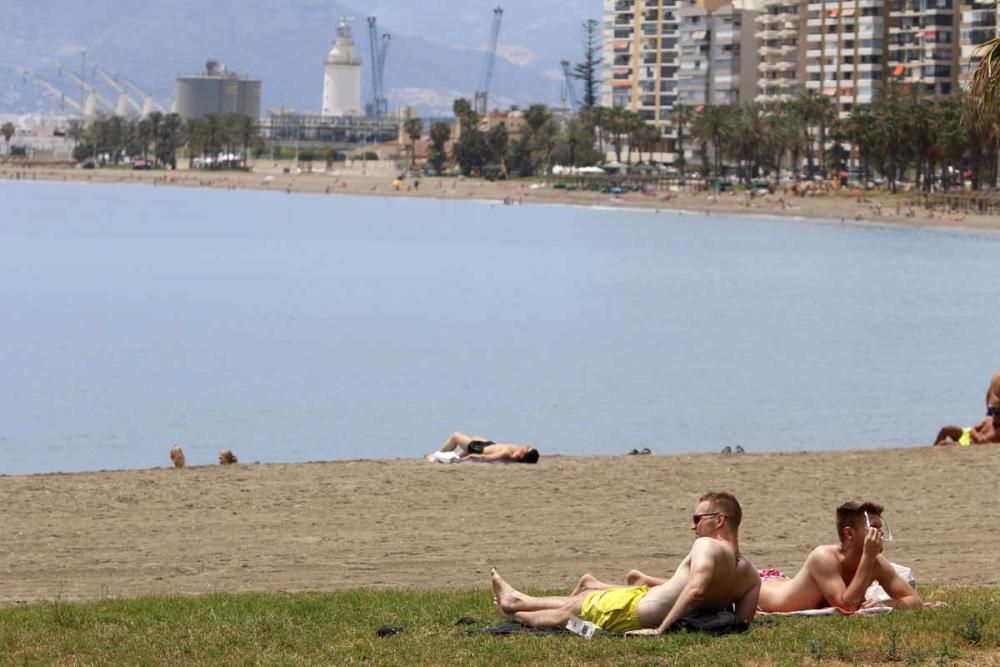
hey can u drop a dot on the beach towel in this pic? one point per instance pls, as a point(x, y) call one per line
point(453, 457)
point(875, 597)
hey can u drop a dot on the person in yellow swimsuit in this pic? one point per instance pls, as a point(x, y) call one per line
point(712, 577)
point(985, 432)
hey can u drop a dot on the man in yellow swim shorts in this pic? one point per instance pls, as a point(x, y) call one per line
point(983, 433)
point(712, 577)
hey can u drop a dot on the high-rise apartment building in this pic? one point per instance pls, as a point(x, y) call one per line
point(640, 56)
point(717, 53)
point(978, 25)
point(659, 52)
point(846, 50)
point(780, 40)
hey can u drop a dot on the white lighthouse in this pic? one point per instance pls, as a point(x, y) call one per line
point(342, 76)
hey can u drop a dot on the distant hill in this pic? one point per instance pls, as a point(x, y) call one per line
point(434, 55)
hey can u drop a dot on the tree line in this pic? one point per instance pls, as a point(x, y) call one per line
point(157, 137)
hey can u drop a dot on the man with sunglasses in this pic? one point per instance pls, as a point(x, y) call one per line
point(838, 575)
point(712, 577)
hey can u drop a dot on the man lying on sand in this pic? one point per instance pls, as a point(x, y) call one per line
point(478, 448)
point(983, 433)
point(837, 575)
point(712, 577)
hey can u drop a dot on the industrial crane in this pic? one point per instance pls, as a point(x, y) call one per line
point(569, 87)
point(149, 103)
point(124, 100)
point(481, 98)
point(86, 110)
point(101, 99)
point(379, 50)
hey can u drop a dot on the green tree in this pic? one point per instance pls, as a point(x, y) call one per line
point(588, 69)
point(471, 151)
point(169, 138)
point(680, 117)
point(413, 128)
point(7, 130)
point(496, 142)
point(711, 126)
point(440, 133)
point(467, 116)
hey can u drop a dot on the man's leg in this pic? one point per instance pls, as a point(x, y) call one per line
point(948, 435)
point(589, 582)
point(511, 602)
point(549, 618)
point(455, 441)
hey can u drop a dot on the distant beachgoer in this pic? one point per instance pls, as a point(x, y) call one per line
point(985, 432)
point(177, 456)
point(478, 448)
point(712, 577)
point(227, 457)
point(838, 575)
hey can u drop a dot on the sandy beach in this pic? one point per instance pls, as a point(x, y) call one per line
point(415, 525)
point(843, 206)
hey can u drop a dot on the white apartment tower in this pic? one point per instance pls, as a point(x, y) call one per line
point(342, 76)
point(780, 36)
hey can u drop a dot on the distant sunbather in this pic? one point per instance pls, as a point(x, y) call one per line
point(837, 575)
point(478, 448)
point(712, 577)
point(985, 432)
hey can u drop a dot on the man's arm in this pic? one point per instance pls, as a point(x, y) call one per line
point(746, 606)
point(825, 570)
point(699, 577)
point(903, 595)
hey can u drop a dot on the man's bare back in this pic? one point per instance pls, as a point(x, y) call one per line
point(733, 578)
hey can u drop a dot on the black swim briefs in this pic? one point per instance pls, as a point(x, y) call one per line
point(479, 446)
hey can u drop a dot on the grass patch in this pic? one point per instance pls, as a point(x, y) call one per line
point(339, 628)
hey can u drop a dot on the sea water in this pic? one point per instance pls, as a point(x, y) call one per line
point(306, 327)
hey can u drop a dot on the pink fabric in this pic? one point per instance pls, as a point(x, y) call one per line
point(772, 573)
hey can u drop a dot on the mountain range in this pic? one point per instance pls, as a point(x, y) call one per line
point(435, 55)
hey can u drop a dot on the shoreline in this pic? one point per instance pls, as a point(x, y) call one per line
point(836, 208)
point(406, 524)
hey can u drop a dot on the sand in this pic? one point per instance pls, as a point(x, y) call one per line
point(410, 524)
point(378, 181)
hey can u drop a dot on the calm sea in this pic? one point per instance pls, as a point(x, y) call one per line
point(294, 328)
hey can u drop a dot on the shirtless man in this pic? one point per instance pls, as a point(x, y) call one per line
point(837, 575)
point(477, 448)
point(712, 577)
point(985, 432)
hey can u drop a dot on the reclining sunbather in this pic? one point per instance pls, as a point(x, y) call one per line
point(985, 432)
point(837, 575)
point(712, 577)
point(477, 448)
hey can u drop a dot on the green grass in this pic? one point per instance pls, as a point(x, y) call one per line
point(340, 629)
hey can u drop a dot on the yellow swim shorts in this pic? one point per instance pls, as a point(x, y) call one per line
point(614, 609)
point(966, 438)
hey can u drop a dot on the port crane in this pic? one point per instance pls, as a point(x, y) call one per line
point(91, 91)
point(481, 97)
point(379, 49)
point(149, 103)
point(124, 100)
point(568, 87)
point(87, 110)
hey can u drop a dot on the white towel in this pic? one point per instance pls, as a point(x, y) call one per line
point(444, 457)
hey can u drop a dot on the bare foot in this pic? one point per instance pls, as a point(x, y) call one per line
point(504, 595)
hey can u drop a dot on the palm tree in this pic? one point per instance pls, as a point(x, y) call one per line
point(984, 84)
point(711, 126)
point(413, 128)
point(681, 116)
point(7, 130)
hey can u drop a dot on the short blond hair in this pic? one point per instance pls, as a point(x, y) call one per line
point(727, 504)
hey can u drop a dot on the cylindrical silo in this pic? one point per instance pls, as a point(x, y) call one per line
point(342, 76)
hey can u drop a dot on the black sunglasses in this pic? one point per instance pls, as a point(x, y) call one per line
point(696, 518)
